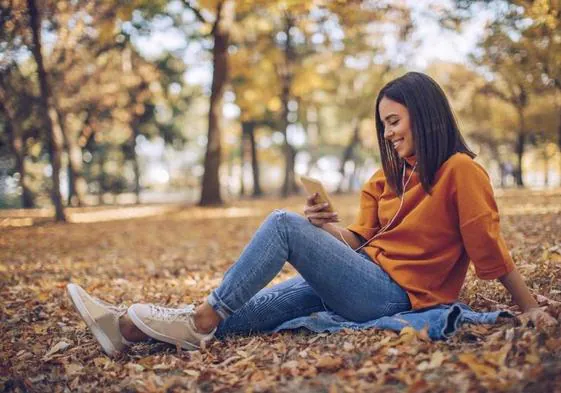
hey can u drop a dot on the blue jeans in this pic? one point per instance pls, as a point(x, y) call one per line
point(332, 277)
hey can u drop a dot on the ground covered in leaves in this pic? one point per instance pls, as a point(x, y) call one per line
point(177, 257)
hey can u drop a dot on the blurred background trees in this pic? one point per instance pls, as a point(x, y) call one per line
point(211, 100)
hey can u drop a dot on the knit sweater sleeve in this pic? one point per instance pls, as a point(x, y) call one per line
point(478, 218)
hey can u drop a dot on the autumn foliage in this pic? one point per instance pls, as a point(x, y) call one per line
point(178, 257)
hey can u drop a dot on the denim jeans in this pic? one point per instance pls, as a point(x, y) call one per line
point(332, 277)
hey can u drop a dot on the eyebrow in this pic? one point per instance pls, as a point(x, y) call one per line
point(390, 115)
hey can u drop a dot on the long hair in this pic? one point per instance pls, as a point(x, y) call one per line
point(435, 131)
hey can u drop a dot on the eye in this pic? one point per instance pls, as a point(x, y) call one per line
point(394, 123)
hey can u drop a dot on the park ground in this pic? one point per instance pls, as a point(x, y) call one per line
point(174, 255)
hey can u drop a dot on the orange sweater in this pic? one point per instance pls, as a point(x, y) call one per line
point(428, 247)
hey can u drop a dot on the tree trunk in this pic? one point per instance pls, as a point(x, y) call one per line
point(243, 155)
point(520, 144)
point(77, 185)
point(348, 153)
point(101, 176)
point(53, 133)
point(545, 169)
point(210, 193)
point(248, 130)
point(135, 165)
point(257, 191)
point(289, 184)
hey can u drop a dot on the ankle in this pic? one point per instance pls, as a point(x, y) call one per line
point(203, 326)
point(205, 319)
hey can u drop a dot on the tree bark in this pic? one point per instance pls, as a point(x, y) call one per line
point(257, 190)
point(248, 130)
point(136, 166)
point(77, 185)
point(101, 176)
point(53, 133)
point(289, 184)
point(520, 144)
point(210, 193)
point(243, 155)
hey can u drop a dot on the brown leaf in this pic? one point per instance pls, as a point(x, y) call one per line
point(480, 369)
point(61, 346)
point(329, 363)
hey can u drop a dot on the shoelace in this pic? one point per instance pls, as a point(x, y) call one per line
point(171, 314)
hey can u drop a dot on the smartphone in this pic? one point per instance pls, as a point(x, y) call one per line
point(312, 186)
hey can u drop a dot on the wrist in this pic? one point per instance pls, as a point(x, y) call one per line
point(530, 308)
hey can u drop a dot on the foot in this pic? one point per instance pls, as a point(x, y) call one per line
point(172, 325)
point(102, 319)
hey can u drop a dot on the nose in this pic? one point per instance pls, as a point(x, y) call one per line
point(388, 132)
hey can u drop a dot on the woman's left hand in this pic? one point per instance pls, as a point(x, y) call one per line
point(539, 317)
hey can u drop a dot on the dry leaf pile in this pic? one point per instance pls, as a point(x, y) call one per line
point(178, 257)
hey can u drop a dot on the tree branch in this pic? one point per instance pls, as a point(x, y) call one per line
point(196, 11)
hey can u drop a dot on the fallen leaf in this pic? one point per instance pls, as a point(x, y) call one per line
point(480, 369)
point(61, 346)
point(329, 363)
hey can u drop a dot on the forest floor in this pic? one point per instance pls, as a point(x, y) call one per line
point(177, 255)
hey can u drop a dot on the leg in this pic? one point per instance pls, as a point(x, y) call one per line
point(266, 310)
point(270, 307)
point(349, 283)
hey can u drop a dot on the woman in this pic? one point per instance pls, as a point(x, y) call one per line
point(421, 220)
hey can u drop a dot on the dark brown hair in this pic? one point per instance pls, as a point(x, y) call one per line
point(435, 131)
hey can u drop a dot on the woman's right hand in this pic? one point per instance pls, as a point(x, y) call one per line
point(315, 213)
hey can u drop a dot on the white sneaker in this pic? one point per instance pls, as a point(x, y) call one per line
point(101, 317)
point(171, 325)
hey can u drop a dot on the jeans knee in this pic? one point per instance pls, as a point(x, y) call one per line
point(290, 218)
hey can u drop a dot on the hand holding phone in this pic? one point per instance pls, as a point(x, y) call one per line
point(319, 207)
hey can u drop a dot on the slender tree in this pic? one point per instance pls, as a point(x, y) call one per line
point(52, 125)
point(220, 33)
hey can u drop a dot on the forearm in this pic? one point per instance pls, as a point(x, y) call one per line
point(521, 295)
point(342, 234)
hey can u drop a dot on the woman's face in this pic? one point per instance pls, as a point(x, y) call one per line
point(397, 127)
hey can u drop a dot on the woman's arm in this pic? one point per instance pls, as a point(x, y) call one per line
point(515, 285)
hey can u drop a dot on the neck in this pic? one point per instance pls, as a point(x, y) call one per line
point(411, 160)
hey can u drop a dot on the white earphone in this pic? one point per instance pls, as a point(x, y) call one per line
point(387, 226)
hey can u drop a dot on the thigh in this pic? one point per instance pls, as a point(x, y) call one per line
point(351, 284)
point(272, 306)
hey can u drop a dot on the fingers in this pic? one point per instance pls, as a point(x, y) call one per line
point(315, 215)
point(321, 222)
point(311, 198)
point(323, 215)
point(320, 219)
point(310, 209)
point(537, 318)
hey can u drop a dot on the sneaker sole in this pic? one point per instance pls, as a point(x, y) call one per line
point(157, 336)
point(98, 333)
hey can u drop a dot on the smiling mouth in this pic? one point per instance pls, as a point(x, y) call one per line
point(397, 142)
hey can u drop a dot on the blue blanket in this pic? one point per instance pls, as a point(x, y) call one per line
point(441, 321)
